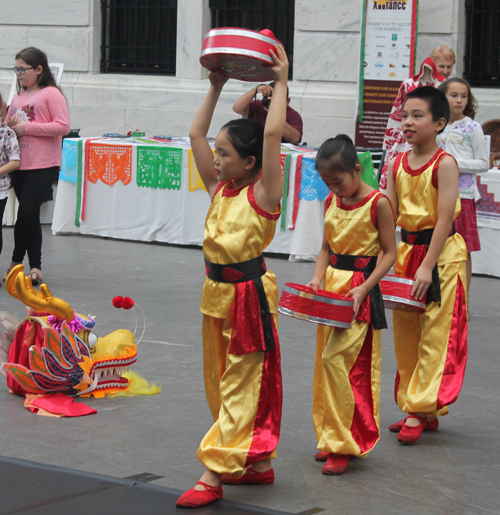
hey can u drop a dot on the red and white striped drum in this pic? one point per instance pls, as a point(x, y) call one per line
point(239, 53)
point(321, 307)
point(396, 293)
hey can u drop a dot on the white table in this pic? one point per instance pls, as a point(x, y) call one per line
point(127, 211)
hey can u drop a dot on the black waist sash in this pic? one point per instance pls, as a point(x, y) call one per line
point(366, 265)
point(424, 238)
point(250, 270)
point(236, 272)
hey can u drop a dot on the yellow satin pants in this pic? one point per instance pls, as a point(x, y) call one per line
point(346, 389)
point(233, 390)
point(422, 344)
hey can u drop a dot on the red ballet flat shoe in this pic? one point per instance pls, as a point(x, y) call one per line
point(410, 434)
point(321, 456)
point(336, 464)
point(197, 498)
point(431, 425)
point(250, 477)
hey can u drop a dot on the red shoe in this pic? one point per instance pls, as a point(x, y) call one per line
point(410, 434)
point(321, 456)
point(250, 477)
point(197, 498)
point(336, 464)
point(432, 425)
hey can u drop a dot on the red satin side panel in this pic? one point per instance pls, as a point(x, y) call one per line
point(364, 428)
point(456, 357)
point(266, 432)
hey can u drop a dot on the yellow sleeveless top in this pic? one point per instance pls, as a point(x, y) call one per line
point(351, 229)
point(236, 229)
point(418, 200)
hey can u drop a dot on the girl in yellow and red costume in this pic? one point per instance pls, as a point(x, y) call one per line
point(242, 367)
point(431, 347)
point(359, 226)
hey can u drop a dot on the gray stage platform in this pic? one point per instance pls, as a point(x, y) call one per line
point(453, 471)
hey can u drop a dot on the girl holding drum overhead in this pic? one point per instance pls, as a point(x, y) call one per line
point(359, 225)
point(242, 364)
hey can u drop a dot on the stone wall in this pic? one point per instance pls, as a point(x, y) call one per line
point(325, 65)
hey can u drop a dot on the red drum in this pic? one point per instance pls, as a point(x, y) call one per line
point(321, 307)
point(396, 293)
point(239, 53)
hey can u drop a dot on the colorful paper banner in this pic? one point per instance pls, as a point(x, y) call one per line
point(159, 167)
point(109, 163)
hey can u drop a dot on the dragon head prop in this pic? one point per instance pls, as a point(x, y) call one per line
point(54, 350)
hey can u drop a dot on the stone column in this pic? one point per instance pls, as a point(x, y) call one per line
point(193, 20)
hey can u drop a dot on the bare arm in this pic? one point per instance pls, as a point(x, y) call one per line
point(269, 189)
point(386, 229)
point(448, 175)
point(322, 262)
point(202, 152)
point(241, 106)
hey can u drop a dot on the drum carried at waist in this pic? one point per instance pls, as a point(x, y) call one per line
point(321, 307)
point(396, 293)
point(239, 53)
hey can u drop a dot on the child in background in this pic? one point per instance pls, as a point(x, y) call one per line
point(39, 116)
point(9, 161)
point(463, 138)
point(359, 224)
point(431, 347)
point(242, 366)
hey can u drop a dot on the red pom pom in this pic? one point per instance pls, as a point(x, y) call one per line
point(127, 303)
point(118, 302)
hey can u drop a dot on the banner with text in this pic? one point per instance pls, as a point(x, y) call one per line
point(388, 48)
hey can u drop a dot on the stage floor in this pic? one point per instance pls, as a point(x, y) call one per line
point(454, 470)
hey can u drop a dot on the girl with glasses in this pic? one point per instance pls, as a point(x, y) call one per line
point(39, 116)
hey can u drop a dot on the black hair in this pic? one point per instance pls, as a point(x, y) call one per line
point(287, 90)
point(35, 57)
point(471, 107)
point(437, 101)
point(341, 153)
point(247, 137)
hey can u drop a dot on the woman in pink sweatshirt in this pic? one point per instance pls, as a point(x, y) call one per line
point(39, 116)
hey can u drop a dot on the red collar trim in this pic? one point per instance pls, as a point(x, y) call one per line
point(350, 207)
point(229, 191)
point(409, 170)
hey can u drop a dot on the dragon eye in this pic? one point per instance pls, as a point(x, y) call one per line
point(92, 340)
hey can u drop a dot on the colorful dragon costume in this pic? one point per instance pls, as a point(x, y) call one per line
point(53, 349)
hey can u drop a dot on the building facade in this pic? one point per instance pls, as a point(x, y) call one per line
point(326, 45)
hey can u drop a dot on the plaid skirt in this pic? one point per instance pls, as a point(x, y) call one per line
point(466, 224)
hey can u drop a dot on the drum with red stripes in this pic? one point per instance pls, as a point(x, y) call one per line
point(396, 293)
point(321, 307)
point(239, 53)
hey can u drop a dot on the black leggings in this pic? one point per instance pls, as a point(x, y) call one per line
point(32, 189)
point(3, 202)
